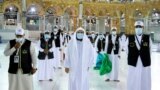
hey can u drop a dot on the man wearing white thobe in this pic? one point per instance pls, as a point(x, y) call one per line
point(79, 58)
point(49, 27)
point(112, 49)
point(46, 63)
point(23, 62)
point(123, 53)
point(139, 59)
point(66, 39)
point(123, 40)
point(57, 36)
point(100, 48)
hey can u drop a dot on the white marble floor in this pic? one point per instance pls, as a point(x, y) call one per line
point(96, 81)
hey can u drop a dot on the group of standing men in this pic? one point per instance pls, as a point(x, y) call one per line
point(79, 57)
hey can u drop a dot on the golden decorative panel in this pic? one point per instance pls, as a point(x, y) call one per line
point(98, 9)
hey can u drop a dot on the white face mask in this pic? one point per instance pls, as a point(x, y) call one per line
point(20, 40)
point(138, 31)
point(80, 35)
point(93, 35)
point(101, 36)
point(47, 37)
point(55, 31)
point(114, 32)
point(123, 36)
point(89, 35)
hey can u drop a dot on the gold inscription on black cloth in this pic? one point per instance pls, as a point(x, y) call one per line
point(132, 44)
point(24, 51)
point(145, 44)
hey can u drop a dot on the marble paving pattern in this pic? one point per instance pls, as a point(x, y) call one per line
point(96, 81)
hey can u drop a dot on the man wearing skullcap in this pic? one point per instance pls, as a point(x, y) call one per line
point(112, 48)
point(46, 61)
point(139, 59)
point(23, 62)
point(58, 39)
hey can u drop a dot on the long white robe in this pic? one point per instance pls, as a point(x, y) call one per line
point(123, 54)
point(21, 81)
point(46, 67)
point(79, 58)
point(58, 53)
point(123, 42)
point(49, 27)
point(139, 77)
point(66, 39)
point(113, 75)
point(57, 56)
point(64, 49)
point(96, 49)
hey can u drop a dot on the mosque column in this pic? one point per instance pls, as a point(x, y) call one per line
point(54, 20)
point(1, 20)
point(80, 12)
point(62, 20)
point(127, 14)
point(122, 23)
point(24, 5)
point(101, 25)
point(75, 23)
point(66, 19)
point(85, 24)
point(44, 23)
point(146, 24)
point(23, 13)
point(97, 24)
point(18, 18)
point(111, 22)
point(1, 17)
point(71, 24)
point(90, 25)
point(1, 9)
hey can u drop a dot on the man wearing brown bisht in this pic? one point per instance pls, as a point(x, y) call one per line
point(23, 62)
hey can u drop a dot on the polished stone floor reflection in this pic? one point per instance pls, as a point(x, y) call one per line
point(96, 81)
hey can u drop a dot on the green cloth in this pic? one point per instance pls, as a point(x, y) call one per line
point(106, 66)
point(99, 60)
